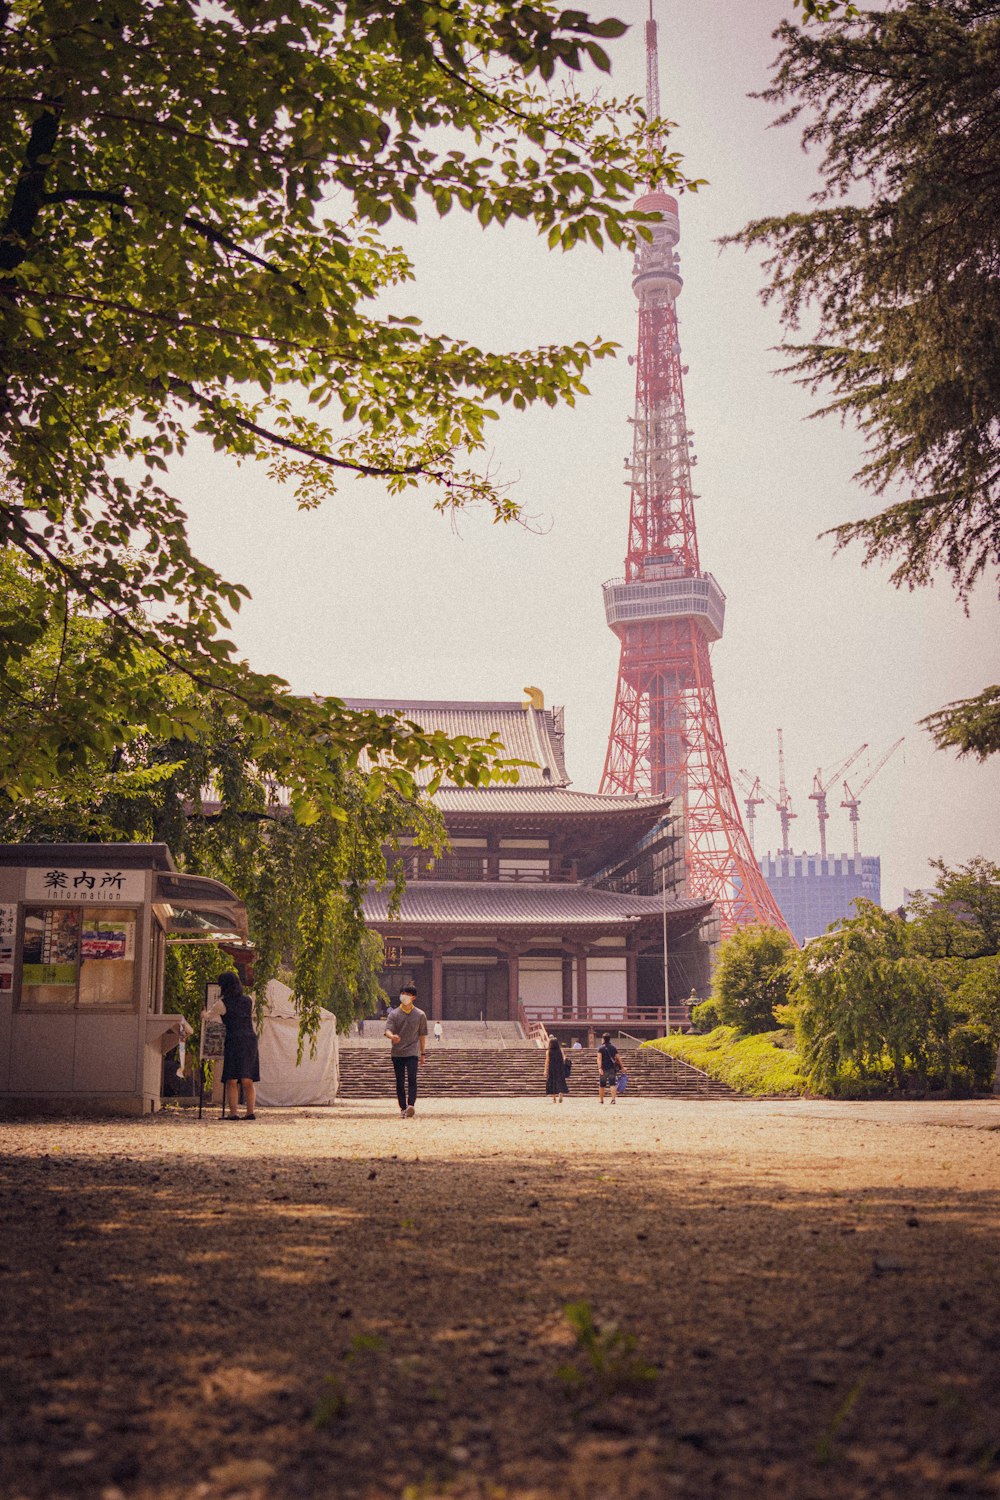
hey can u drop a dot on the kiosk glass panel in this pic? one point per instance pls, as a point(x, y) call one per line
point(78, 957)
point(50, 957)
point(107, 957)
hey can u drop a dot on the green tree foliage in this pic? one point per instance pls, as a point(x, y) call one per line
point(76, 687)
point(188, 969)
point(191, 241)
point(752, 977)
point(958, 925)
point(960, 917)
point(971, 726)
point(215, 796)
point(825, 10)
point(897, 262)
point(972, 987)
point(866, 998)
point(704, 1017)
point(977, 996)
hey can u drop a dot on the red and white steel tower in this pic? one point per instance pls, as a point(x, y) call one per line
point(665, 735)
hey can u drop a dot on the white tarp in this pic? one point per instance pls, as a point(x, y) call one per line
point(283, 1081)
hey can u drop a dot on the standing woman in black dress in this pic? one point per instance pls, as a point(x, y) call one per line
point(240, 1059)
point(556, 1070)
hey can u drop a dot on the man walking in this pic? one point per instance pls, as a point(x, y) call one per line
point(406, 1028)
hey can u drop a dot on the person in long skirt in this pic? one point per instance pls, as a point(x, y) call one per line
point(240, 1058)
point(556, 1070)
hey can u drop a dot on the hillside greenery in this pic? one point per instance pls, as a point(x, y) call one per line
point(761, 1064)
point(883, 1003)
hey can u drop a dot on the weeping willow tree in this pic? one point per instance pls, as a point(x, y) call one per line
point(866, 1000)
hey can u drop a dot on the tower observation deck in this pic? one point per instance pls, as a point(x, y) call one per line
point(666, 611)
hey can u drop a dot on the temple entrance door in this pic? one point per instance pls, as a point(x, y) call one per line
point(464, 992)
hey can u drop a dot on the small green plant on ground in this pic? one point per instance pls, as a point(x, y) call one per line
point(763, 1064)
point(335, 1401)
point(826, 1442)
point(609, 1356)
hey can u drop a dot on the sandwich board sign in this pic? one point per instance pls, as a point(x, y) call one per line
point(213, 1032)
point(212, 1043)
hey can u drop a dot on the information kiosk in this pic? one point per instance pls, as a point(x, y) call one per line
point(83, 935)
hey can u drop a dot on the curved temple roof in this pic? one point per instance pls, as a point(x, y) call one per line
point(509, 904)
point(527, 733)
point(536, 800)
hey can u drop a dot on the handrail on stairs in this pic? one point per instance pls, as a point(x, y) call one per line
point(655, 1052)
point(535, 1031)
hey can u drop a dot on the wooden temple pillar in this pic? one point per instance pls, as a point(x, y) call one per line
point(513, 983)
point(631, 981)
point(567, 987)
point(437, 983)
point(581, 983)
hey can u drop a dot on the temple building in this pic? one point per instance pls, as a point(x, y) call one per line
point(551, 904)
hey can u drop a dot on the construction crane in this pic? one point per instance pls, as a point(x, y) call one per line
point(784, 803)
point(852, 799)
point(820, 789)
point(757, 795)
point(751, 802)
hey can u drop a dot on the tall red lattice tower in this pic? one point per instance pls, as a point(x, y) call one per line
point(665, 734)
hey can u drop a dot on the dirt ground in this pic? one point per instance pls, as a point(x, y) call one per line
point(792, 1300)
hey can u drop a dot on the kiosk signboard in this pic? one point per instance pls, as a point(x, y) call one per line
point(103, 883)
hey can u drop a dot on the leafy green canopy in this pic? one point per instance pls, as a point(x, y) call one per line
point(190, 242)
point(971, 725)
point(864, 994)
point(752, 977)
point(960, 916)
point(215, 797)
point(898, 265)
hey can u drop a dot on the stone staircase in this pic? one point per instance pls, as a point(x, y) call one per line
point(460, 1035)
point(517, 1072)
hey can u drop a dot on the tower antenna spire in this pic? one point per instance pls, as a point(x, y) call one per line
point(652, 74)
point(666, 740)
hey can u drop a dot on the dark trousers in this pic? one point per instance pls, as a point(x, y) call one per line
point(405, 1069)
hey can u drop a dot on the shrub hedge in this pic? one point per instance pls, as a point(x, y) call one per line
point(762, 1064)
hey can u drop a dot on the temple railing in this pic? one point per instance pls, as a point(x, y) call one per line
point(601, 1018)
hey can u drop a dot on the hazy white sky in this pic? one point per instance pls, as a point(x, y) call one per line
point(372, 595)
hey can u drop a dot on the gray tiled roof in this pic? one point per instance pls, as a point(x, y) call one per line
point(531, 735)
point(506, 904)
point(537, 799)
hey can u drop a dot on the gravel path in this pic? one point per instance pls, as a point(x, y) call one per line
point(337, 1303)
